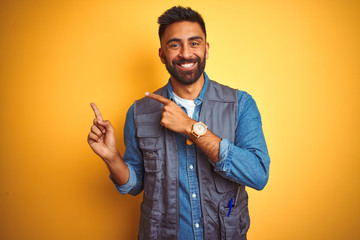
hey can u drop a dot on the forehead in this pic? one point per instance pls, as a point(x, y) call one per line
point(182, 30)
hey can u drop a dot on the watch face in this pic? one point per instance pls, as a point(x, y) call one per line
point(200, 128)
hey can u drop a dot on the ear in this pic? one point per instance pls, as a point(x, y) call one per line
point(207, 50)
point(161, 55)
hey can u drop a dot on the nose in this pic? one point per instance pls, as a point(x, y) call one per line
point(185, 51)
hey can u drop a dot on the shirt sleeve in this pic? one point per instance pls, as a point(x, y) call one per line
point(245, 161)
point(132, 157)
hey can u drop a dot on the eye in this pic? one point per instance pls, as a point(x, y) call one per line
point(194, 44)
point(174, 45)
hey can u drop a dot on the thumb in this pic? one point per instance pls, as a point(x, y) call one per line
point(107, 125)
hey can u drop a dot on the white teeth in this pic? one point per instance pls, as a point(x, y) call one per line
point(187, 65)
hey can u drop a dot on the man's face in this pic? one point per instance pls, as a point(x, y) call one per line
point(184, 51)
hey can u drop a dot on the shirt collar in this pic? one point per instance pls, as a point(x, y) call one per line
point(197, 100)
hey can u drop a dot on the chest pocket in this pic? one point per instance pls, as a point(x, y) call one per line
point(149, 136)
point(150, 142)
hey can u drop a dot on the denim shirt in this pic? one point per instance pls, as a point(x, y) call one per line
point(244, 161)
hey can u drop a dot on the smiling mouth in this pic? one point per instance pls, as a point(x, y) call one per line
point(186, 65)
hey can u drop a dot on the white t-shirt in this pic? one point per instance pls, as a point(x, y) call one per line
point(189, 105)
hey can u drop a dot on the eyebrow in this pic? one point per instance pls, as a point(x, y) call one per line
point(179, 40)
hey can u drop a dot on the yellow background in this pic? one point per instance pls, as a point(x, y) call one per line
point(299, 59)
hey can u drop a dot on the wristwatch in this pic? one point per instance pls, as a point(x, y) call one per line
point(198, 129)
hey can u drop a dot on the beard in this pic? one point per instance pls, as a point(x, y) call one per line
point(186, 77)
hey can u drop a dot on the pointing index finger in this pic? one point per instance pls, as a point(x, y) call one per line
point(96, 111)
point(158, 98)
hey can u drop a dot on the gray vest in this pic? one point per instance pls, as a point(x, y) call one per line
point(159, 217)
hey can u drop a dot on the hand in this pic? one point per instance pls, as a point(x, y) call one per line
point(173, 117)
point(102, 137)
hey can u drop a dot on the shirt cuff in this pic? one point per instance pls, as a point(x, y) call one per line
point(225, 153)
point(124, 189)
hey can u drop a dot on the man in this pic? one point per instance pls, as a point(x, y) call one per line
point(192, 146)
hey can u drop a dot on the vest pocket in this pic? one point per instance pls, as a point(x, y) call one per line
point(231, 227)
point(152, 167)
point(149, 136)
point(149, 142)
point(152, 161)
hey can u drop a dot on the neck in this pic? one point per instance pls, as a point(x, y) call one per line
point(189, 92)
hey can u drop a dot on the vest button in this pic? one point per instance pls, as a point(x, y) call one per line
point(197, 225)
point(150, 154)
point(191, 167)
point(194, 195)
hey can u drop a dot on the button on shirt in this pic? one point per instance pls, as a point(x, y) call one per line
point(244, 161)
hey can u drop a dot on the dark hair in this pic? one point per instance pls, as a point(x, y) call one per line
point(178, 14)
